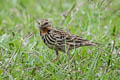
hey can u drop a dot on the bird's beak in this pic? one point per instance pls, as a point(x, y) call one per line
point(37, 20)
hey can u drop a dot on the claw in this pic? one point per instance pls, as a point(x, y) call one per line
point(55, 59)
point(56, 52)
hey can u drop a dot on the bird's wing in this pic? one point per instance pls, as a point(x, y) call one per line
point(65, 38)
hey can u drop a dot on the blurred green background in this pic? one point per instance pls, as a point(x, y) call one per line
point(23, 55)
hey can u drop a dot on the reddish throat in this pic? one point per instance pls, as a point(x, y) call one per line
point(44, 31)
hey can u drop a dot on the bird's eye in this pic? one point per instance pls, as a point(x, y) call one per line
point(44, 24)
point(38, 23)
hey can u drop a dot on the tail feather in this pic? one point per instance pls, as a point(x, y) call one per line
point(90, 43)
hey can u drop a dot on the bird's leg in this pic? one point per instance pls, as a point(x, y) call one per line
point(68, 53)
point(70, 57)
point(56, 52)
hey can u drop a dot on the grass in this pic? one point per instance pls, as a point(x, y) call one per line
point(23, 56)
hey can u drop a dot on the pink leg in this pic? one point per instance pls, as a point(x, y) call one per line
point(56, 52)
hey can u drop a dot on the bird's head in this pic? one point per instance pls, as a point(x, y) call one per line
point(44, 24)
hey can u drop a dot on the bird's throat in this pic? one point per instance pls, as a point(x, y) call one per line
point(44, 31)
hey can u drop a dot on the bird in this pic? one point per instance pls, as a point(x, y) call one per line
point(60, 40)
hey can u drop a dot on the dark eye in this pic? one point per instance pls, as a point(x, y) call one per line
point(44, 24)
point(39, 23)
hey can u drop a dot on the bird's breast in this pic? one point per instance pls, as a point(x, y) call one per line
point(43, 32)
point(48, 40)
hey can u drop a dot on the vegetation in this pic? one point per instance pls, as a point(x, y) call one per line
point(23, 55)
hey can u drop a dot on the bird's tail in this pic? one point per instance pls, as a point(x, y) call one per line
point(90, 43)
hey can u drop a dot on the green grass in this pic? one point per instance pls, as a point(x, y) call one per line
point(23, 56)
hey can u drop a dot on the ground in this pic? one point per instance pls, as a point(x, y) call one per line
point(23, 55)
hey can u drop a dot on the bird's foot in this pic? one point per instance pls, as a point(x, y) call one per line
point(55, 59)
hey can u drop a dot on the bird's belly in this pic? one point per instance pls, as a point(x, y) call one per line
point(56, 47)
point(51, 46)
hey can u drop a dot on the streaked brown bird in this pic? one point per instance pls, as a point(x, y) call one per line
point(60, 40)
